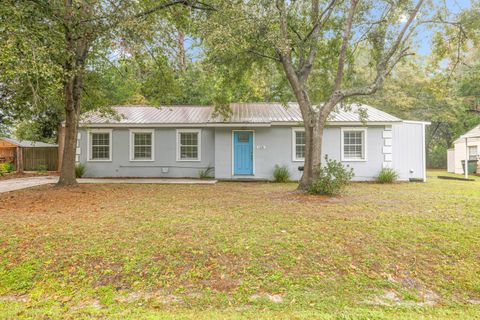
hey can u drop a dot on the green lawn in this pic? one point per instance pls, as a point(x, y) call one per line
point(241, 250)
point(439, 172)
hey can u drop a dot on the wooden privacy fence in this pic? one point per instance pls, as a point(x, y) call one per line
point(40, 158)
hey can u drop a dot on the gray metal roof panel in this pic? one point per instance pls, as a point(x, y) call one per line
point(240, 113)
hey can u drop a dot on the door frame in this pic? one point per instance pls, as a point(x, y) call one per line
point(233, 152)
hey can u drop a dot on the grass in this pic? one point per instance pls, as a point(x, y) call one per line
point(439, 172)
point(233, 250)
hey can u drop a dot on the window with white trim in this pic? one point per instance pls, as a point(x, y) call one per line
point(472, 153)
point(141, 145)
point(100, 145)
point(298, 144)
point(188, 145)
point(353, 144)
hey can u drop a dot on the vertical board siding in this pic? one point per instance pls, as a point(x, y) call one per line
point(37, 158)
point(408, 150)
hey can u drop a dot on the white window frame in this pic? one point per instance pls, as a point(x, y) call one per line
point(342, 139)
point(294, 144)
point(199, 132)
point(469, 154)
point(132, 144)
point(89, 144)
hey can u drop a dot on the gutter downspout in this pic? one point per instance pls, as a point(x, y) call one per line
point(424, 154)
point(466, 158)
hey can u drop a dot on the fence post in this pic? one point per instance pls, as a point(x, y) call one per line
point(19, 160)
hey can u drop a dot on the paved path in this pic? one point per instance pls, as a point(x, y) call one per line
point(23, 183)
point(147, 181)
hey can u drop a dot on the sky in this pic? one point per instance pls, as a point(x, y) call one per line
point(423, 39)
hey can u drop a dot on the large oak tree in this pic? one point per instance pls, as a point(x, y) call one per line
point(316, 44)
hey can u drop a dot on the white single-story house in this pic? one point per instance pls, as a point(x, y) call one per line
point(179, 141)
point(467, 146)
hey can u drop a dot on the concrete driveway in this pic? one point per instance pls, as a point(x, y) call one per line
point(23, 183)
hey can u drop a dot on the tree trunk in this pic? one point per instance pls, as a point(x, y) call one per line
point(67, 174)
point(313, 153)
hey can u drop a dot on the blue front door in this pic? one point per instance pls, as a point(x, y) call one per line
point(243, 153)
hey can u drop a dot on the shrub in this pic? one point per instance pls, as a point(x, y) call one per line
point(281, 174)
point(3, 169)
point(10, 167)
point(387, 175)
point(6, 168)
point(80, 169)
point(205, 173)
point(331, 178)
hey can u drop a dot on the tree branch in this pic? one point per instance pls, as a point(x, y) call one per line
point(194, 4)
point(254, 52)
point(314, 34)
point(343, 49)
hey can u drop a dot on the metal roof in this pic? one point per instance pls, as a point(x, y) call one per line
point(28, 144)
point(241, 113)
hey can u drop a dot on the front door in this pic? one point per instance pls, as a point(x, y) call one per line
point(243, 153)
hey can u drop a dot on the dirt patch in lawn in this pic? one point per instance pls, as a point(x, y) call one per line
point(64, 201)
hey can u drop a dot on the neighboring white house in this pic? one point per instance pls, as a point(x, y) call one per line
point(179, 141)
point(460, 151)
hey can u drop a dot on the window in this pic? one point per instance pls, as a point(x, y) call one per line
point(141, 145)
point(472, 153)
point(188, 145)
point(100, 148)
point(298, 147)
point(243, 137)
point(354, 144)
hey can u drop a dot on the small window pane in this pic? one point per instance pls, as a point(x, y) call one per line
point(189, 138)
point(188, 152)
point(143, 138)
point(300, 137)
point(243, 137)
point(300, 152)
